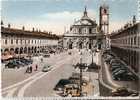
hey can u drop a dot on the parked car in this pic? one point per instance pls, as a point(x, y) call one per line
point(51, 51)
point(114, 67)
point(118, 75)
point(122, 91)
point(19, 63)
point(46, 68)
point(108, 59)
point(61, 84)
point(26, 61)
point(124, 75)
point(12, 65)
point(119, 69)
point(129, 77)
point(46, 55)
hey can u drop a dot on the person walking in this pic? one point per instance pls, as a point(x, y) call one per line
point(27, 70)
point(31, 69)
point(36, 67)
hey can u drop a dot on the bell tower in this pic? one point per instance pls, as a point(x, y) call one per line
point(104, 19)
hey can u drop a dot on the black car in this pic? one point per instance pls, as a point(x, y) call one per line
point(12, 65)
point(124, 76)
point(115, 61)
point(114, 67)
point(51, 51)
point(122, 91)
point(46, 55)
point(129, 77)
point(118, 69)
point(26, 61)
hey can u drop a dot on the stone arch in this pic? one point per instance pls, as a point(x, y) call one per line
point(25, 50)
point(21, 50)
point(70, 44)
point(16, 50)
point(38, 49)
point(11, 50)
point(35, 50)
point(80, 45)
point(90, 46)
point(41, 48)
point(29, 50)
point(6, 51)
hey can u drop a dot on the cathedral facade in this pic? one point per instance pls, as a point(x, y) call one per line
point(82, 34)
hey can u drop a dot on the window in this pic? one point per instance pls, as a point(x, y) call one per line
point(21, 41)
point(29, 41)
point(12, 41)
point(16, 41)
point(6, 41)
point(79, 30)
point(135, 40)
point(90, 30)
point(131, 41)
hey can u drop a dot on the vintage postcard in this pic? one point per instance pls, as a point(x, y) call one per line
point(70, 49)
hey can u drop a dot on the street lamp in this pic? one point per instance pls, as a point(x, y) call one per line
point(92, 57)
point(80, 67)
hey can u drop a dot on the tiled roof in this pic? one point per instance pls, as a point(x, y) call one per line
point(28, 33)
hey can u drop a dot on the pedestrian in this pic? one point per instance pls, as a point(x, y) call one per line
point(41, 59)
point(36, 67)
point(30, 69)
point(27, 70)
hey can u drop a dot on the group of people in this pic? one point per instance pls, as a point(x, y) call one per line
point(30, 69)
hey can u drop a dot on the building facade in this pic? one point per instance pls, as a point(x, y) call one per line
point(21, 41)
point(82, 34)
point(126, 44)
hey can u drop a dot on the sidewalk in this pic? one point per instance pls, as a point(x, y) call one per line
point(89, 89)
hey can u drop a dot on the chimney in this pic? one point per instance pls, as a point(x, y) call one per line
point(2, 23)
point(23, 28)
point(33, 29)
point(9, 25)
point(134, 19)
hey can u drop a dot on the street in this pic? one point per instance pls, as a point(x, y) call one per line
point(17, 83)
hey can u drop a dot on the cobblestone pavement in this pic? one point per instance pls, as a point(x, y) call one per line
point(15, 83)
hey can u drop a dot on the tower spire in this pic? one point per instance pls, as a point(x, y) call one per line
point(85, 12)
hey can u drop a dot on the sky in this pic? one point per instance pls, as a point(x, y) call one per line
point(55, 15)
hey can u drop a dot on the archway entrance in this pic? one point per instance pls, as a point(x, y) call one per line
point(17, 50)
point(12, 51)
point(81, 45)
point(89, 45)
point(70, 46)
point(21, 50)
point(6, 51)
point(25, 50)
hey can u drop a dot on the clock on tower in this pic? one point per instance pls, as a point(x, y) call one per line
point(104, 18)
